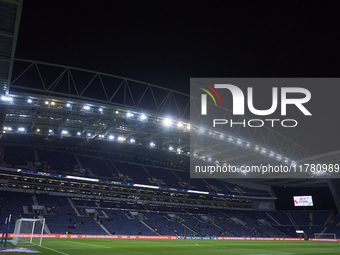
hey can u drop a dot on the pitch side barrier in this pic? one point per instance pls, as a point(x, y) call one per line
point(170, 237)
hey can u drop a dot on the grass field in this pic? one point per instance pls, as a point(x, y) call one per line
point(185, 247)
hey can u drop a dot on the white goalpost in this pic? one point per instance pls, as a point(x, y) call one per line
point(28, 232)
point(325, 235)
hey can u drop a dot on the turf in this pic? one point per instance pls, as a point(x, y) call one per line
point(185, 247)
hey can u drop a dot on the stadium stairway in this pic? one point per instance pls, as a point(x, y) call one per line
point(226, 232)
point(271, 217)
point(149, 227)
point(25, 208)
point(110, 167)
point(292, 220)
point(46, 227)
point(186, 226)
point(73, 206)
point(103, 226)
point(35, 201)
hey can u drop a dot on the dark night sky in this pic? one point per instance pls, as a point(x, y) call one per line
point(167, 42)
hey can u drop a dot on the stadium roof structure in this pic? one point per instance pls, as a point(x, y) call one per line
point(10, 14)
point(54, 102)
point(51, 99)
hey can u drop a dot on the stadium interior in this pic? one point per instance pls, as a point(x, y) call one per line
point(94, 153)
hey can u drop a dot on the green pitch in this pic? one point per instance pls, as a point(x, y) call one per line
point(185, 247)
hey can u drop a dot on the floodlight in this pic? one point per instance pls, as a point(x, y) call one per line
point(143, 116)
point(167, 122)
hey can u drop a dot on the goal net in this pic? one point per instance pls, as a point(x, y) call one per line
point(325, 235)
point(28, 232)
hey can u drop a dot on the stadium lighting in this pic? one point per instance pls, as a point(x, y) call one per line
point(68, 105)
point(64, 132)
point(88, 134)
point(129, 114)
point(201, 130)
point(179, 151)
point(152, 144)
point(209, 159)
point(188, 127)
point(78, 133)
point(38, 130)
point(257, 148)
point(6, 99)
point(9, 129)
point(100, 109)
point(239, 142)
point(111, 137)
point(248, 145)
point(143, 117)
point(86, 107)
point(179, 124)
point(46, 102)
point(271, 154)
point(29, 100)
point(132, 140)
point(120, 139)
point(21, 129)
point(50, 131)
point(117, 112)
point(171, 148)
point(53, 103)
point(221, 136)
point(278, 157)
point(230, 139)
point(167, 122)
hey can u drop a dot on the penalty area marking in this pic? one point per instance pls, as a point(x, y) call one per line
point(89, 244)
point(47, 248)
point(53, 250)
point(266, 252)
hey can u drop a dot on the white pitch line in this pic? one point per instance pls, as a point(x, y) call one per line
point(53, 250)
point(89, 244)
point(258, 250)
